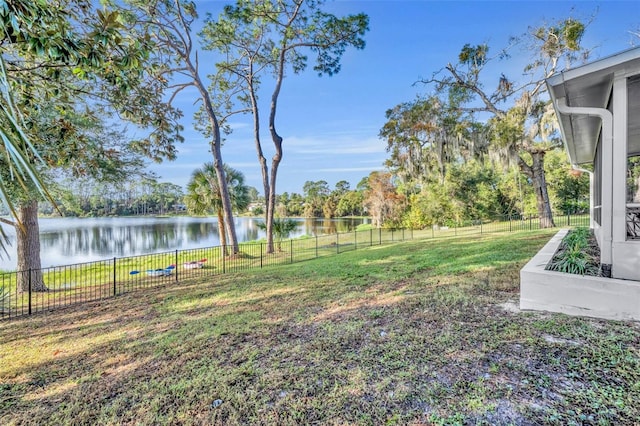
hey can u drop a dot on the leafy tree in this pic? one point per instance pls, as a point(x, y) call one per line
point(568, 188)
point(523, 132)
point(17, 151)
point(351, 204)
point(383, 202)
point(342, 187)
point(204, 195)
point(254, 195)
point(169, 23)
point(65, 62)
point(86, 149)
point(296, 205)
point(315, 196)
point(426, 135)
point(259, 37)
point(425, 209)
point(290, 205)
point(330, 205)
point(166, 194)
point(470, 191)
point(283, 202)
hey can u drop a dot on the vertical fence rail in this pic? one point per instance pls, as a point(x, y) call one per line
point(176, 265)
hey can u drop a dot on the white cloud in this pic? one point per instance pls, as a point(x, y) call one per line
point(241, 165)
point(339, 145)
point(347, 169)
point(238, 125)
point(193, 147)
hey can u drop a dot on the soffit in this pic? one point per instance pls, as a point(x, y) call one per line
point(590, 86)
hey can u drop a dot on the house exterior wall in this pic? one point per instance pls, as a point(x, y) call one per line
point(626, 260)
point(625, 253)
point(598, 108)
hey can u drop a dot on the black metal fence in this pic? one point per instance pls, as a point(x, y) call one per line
point(32, 291)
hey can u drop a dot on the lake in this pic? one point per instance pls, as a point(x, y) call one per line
point(66, 241)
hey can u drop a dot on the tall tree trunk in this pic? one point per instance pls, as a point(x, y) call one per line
point(270, 208)
point(216, 150)
point(275, 138)
point(264, 168)
point(271, 200)
point(536, 173)
point(28, 248)
point(222, 232)
point(226, 203)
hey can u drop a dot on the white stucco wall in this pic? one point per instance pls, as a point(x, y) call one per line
point(577, 295)
point(626, 256)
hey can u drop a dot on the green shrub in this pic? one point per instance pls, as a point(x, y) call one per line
point(577, 254)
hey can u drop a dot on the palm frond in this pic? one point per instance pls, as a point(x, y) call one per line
point(16, 152)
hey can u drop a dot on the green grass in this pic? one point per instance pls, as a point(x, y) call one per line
point(407, 333)
point(104, 279)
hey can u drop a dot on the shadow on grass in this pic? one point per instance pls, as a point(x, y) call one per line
point(408, 333)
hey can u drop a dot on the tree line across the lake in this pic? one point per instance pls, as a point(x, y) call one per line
point(469, 191)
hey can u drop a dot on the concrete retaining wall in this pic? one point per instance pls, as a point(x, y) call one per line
point(578, 295)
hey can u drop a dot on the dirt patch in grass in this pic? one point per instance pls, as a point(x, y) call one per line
point(413, 333)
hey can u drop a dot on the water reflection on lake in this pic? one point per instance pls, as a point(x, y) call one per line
point(66, 241)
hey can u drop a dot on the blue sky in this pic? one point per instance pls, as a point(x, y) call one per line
point(330, 125)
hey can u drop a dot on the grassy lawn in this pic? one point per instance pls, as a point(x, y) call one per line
point(418, 332)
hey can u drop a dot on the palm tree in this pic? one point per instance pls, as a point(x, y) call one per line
point(204, 197)
point(282, 227)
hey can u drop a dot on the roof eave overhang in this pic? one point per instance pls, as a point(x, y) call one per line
point(588, 86)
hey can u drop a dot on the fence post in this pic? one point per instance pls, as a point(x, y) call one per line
point(568, 219)
point(316, 246)
point(260, 255)
point(291, 249)
point(29, 291)
point(371, 237)
point(402, 234)
point(337, 243)
point(115, 259)
point(480, 226)
point(176, 268)
point(355, 239)
point(509, 223)
point(530, 224)
point(224, 264)
point(432, 232)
